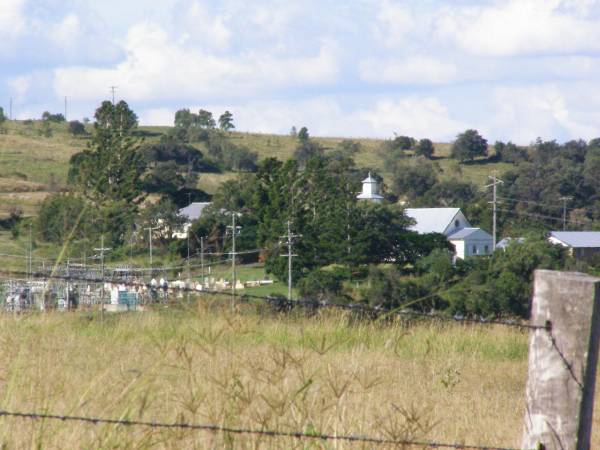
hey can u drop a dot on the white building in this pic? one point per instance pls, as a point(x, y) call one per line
point(452, 223)
point(445, 221)
point(191, 212)
point(370, 190)
point(471, 242)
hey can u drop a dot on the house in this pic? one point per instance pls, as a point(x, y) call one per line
point(471, 242)
point(452, 223)
point(370, 190)
point(445, 221)
point(191, 212)
point(581, 244)
point(506, 242)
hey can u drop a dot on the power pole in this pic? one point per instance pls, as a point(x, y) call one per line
point(202, 259)
point(68, 285)
point(288, 241)
point(150, 238)
point(495, 182)
point(102, 249)
point(65, 108)
point(565, 200)
point(113, 90)
point(235, 230)
point(30, 264)
point(10, 110)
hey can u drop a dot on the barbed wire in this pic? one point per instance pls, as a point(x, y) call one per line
point(283, 303)
point(261, 432)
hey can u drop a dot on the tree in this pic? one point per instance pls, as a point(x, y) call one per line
point(2, 116)
point(76, 128)
point(205, 119)
point(424, 148)
point(303, 135)
point(46, 116)
point(469, 145)
point(111, 167)
point(226, 121)
point(413, 178)
point(403, 142)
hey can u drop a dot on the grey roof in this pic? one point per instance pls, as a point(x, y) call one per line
point(193, 211)
point(504, 242)
point(578, 239)
point(470, 232)
point(431, 220)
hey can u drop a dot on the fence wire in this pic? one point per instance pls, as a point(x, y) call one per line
point(269, 433)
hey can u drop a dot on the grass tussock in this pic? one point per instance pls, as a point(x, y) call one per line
point(327, 373)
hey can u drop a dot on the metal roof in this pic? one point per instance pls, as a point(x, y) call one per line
point(578, 239)
point(193, 211)
point(431, 220)
point(369, 179)
point(470, 232)
point(506, 241)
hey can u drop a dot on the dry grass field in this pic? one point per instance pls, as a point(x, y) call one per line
point(327, 373)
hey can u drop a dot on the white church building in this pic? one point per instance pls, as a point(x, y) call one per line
point(451, 222)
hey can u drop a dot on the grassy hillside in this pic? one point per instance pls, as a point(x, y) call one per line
point(31, 164)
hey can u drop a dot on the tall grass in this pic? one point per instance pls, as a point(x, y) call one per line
point(327, 373)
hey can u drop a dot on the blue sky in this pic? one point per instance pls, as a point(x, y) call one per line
point(513, 69)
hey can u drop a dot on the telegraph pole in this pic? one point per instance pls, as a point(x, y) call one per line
point(288, 241)
point(10, 110)
point(102, 249)
point(565, 200)
point(113, 90)
point(202, 259)
point(65, 108)
point(30, 264)
point(150, 240)
point(495, 182)
point(235, 230)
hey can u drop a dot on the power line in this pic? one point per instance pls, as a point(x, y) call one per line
point(540, 216)
point(252, 431)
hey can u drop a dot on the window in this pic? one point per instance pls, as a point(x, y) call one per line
point(486, 250)
point(474, 252)
point(456, 223)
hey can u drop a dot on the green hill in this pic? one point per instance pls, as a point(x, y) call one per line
point(34, 162)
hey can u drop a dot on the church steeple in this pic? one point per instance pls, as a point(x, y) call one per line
point(370, 190)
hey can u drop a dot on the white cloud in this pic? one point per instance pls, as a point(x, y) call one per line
point(410, 70)
point(524, 113)
point(394, 23)
point(198, 26)
point(157, 67)
point(12, 19)
point(20, 86)
point(521, 27)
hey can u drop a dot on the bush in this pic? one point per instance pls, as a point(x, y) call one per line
point(76, 128)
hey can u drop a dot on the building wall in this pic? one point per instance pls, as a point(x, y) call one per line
point(458, 223)
point(472, 247)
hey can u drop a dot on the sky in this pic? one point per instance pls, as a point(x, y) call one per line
point(512, 69)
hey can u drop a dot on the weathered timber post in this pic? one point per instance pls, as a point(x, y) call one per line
point(562, 361)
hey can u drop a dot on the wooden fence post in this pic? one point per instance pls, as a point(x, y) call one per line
point(562, 361)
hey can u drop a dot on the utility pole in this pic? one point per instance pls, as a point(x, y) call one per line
point(150, 238)
point(30, 264)
point(288, 241)
point(113, 90)
point(68, 285)
point(565, 200)
point(235, 230)
point(495, 182)
point(10, 110)
point(66, 108)
point(102, 249)
point(202, 259)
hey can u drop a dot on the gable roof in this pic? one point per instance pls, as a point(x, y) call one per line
point(473, 233)
point(431, 220)
point(506, 242)
point(193, 211)
point(578, 239)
